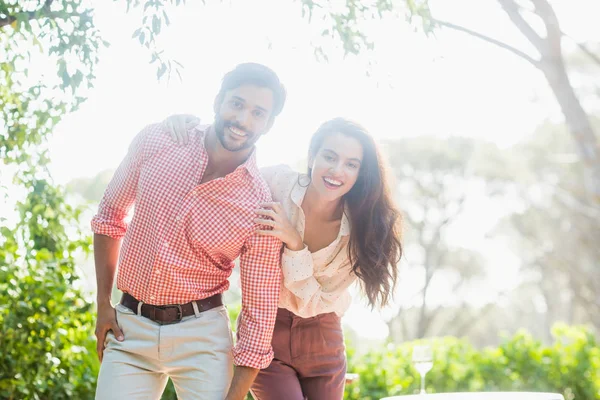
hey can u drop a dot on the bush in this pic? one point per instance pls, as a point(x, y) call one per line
point(46, 341)
point(570, 366)
point(47, 348)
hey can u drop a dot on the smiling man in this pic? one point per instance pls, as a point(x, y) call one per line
point(194, 212)
point(237, 123)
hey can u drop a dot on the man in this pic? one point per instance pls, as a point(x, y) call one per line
point(194, 212)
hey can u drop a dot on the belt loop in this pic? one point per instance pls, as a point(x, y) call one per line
point(139, 310)
point(196, 310)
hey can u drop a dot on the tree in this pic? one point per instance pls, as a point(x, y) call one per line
point(343, 22)
point(550, 60)
point(434, 180)
point(48, 348)
point(46, 333)
point(339, 20)
point(48, 32)
point(555, 229)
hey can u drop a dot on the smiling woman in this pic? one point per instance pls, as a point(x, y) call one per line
point(336, 165)
point(347, 150)
point(338, 224)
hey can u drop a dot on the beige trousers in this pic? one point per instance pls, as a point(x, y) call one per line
point(195, 353)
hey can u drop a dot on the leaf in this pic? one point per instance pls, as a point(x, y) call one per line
point(77, 79)
point(156, 25)
point(161, 71)
point(62, 73)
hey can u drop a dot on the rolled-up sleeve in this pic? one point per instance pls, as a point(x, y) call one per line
point(120, 194)
point(260, 279)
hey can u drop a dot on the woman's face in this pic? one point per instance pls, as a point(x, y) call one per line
point(336, 165)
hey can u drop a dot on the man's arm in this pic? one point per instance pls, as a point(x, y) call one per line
point(260, 275)
point(106, 254)
point(109, 227)
point(242, 380)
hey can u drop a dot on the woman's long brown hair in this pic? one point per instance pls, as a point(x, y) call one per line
point(375, 246)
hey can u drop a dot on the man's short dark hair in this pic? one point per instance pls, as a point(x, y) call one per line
point(255, 74)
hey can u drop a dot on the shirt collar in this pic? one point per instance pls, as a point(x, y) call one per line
point(299, 191)
point(250, 166)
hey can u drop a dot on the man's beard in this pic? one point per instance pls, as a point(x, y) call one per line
point(221, 125)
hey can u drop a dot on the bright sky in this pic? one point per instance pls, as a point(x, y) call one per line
point(448, 85)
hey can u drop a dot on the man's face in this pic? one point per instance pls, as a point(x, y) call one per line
point(244, 115)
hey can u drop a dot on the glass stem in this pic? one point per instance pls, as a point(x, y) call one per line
point(422, 383)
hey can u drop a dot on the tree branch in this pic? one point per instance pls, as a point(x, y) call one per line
point(554, 35)
point(30, 15)
point(481, 36)
point(512, 9)
point(584, 49)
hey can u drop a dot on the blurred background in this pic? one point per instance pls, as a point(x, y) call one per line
point(488, 112)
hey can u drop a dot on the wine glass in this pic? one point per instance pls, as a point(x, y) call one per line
point(422, 358)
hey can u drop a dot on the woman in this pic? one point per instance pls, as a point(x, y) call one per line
point(338, 223)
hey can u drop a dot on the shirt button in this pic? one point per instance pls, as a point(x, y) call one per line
point(166, 244)
point(157, 271)
point(178, 218)
point(152, 297)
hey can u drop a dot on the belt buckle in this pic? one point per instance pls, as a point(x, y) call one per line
point(179, 316)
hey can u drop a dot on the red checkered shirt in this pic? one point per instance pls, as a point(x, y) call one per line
point(184, 236)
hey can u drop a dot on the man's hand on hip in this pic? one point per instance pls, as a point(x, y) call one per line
point(106, 321)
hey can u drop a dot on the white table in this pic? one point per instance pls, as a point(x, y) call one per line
point(481, 396)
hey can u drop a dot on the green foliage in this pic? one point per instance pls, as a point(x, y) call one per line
point(60, 33)
point(48, 348)
point(570, 366)
point(342, 21)
point(155, 17)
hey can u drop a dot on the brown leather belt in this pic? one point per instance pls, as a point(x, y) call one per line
point(172, 313)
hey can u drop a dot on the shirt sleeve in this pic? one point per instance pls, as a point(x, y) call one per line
point(120, 194)
point(314, 296)
point(276, 177)
point(260, 275)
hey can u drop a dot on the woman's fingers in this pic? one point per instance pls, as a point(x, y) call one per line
point(264, 232)
point(267, 222)
point(274, 205)
point(266, 212)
